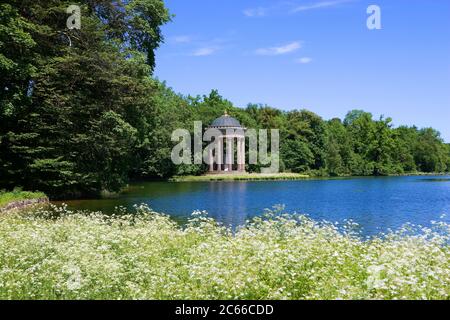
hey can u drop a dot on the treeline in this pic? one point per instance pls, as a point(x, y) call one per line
point(358, 145)
point(80, 112)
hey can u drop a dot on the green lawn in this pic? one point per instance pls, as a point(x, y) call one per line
point(17, 195)
point(242, 177)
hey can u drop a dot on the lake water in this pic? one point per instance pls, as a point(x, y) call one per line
point(376, 204)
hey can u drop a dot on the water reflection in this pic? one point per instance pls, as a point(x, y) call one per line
point(375, 203)
point(231, 204)
point(434, 180)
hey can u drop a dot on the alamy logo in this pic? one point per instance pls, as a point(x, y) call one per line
point(374, 19)
point(74, 20)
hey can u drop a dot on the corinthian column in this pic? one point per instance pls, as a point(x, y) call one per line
point(211, 160)
point(242, 154)
point(220, 154)
point(230, 154)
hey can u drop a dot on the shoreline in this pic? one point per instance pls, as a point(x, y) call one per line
point(18, 199)
point(23, 204)
point(288, 177)
point(240, 177)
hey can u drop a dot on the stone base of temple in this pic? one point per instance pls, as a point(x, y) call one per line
point(227, 169)
point(239, 171)
point(226, 172)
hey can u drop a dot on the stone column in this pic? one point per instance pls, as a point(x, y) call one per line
point(220, 154)
point(240, 155)
point(211, 160)
point(243, 154)
point(230, 155)
point(242, 166)
point(238, 148)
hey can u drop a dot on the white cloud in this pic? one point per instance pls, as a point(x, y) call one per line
point(303, 60)
point(209, 47)
point(206, 51)
point(285, 7)
point(275, 51)
point(181, 39)
point(319, 5)
point(255, 12)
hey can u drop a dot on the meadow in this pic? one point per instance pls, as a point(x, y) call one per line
point(18, 195)
point(55, 253)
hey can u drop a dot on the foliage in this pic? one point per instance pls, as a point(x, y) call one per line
point(147, 256)
point(75, 104)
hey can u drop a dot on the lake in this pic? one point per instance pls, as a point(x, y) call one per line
point(376, 204)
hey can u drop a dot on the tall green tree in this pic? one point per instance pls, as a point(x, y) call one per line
point(75, 103)
point(430, 153)
point(338, 149)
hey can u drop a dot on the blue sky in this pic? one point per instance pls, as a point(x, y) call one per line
point(315, 54)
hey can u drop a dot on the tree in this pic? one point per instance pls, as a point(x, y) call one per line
point(405, 141)
point(297, 156)
point(383, 147)
point(308, 127)
point(448, 157)
point(430, 152)
point(77, 111)
point(338, 149)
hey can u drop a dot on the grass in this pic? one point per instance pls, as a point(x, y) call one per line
point(241, 177)
point(17, 195)
point(59, 254)
point(277, 176)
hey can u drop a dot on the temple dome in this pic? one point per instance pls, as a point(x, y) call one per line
point(226, 121)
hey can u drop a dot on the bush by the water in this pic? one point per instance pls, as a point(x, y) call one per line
point(58, 254)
